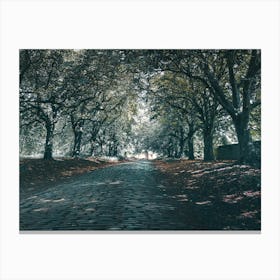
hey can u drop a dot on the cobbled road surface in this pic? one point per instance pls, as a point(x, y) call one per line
point(127, 196)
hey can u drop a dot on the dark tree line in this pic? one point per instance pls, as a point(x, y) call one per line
point(79, 89)
point(88, 99)
point(209, 85)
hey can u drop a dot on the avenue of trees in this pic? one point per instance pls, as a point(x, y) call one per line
point(177, 103)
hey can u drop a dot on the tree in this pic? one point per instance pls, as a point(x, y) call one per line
point(232, 76)
point(207, 109)
point(243, 69)
point(87, 99)
point(42, 91)
point(173, 91)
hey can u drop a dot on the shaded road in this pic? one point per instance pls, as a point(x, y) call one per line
point(122, 197)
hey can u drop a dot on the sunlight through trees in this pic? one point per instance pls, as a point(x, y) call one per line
point(169, 103)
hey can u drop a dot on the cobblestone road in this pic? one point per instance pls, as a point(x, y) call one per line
point(121, 197)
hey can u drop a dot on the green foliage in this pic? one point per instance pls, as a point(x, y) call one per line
point(111, 102)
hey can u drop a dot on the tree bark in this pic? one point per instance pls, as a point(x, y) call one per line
point(208, 145)
point(182, 142)
point(92, 146)
point(101, 149)
point(190, 141)
point(49, 141)
point(115, 150)
point(181, 148)
point(246, 147)
point(77, 127)
point(176, 149)
point(110, 149)
point(169, 149)
point(77, 143)
point(191, 148)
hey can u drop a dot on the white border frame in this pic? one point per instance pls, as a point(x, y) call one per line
point(135, 24)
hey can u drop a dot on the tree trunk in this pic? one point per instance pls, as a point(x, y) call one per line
point(93, 138)
point(208, 140)
point(176, 150)
point(208, 145)
point(115, 149)
point(190, 148)
point(181, 149)
point(77, 143)
point(91, 150)
point(49, 141)
point(169, 150)
point(172, 147)
point(182, 142)
point(190, 142)
point(101, 149)
point(246, 147)
point(109, 153)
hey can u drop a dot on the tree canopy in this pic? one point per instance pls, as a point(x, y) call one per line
point(175, 103)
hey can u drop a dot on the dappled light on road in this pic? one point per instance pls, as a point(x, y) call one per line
point(138, 196)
